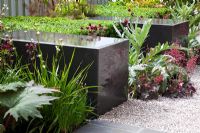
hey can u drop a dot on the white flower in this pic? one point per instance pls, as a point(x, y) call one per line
point(43, 66)
point(57, 48)
point(38, 33)
point(60, 40)
point(39, 55)
point(196, 12)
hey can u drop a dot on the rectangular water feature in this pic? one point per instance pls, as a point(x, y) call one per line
point(109, 58)
point(162, 30)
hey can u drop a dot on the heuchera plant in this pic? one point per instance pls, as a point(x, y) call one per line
point(149, 86)
point(179, 68)
point(179, 83)
point(178, 57)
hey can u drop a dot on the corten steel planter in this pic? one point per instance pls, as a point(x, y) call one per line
point(109, 58)
point(162, 30)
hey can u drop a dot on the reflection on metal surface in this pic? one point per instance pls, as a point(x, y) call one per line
point(67, 40)
point(141, 20)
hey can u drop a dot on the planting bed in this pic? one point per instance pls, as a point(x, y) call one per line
point(108, 58)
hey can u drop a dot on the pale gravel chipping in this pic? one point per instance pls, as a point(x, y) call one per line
point(165, 114)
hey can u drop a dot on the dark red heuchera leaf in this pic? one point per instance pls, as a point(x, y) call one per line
point(147, 86)
point(191, 64)
point(158, 79)
point(179, 57)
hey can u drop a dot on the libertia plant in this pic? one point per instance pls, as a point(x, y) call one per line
point(72, 102)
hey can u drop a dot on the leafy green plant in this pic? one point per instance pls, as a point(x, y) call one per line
point(171, 2)
point(24, 99)
point(75, 9)
point(136, 37)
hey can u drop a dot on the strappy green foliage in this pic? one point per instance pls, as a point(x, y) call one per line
point(71, 109)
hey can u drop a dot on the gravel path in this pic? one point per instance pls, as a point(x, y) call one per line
point(165, 114)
